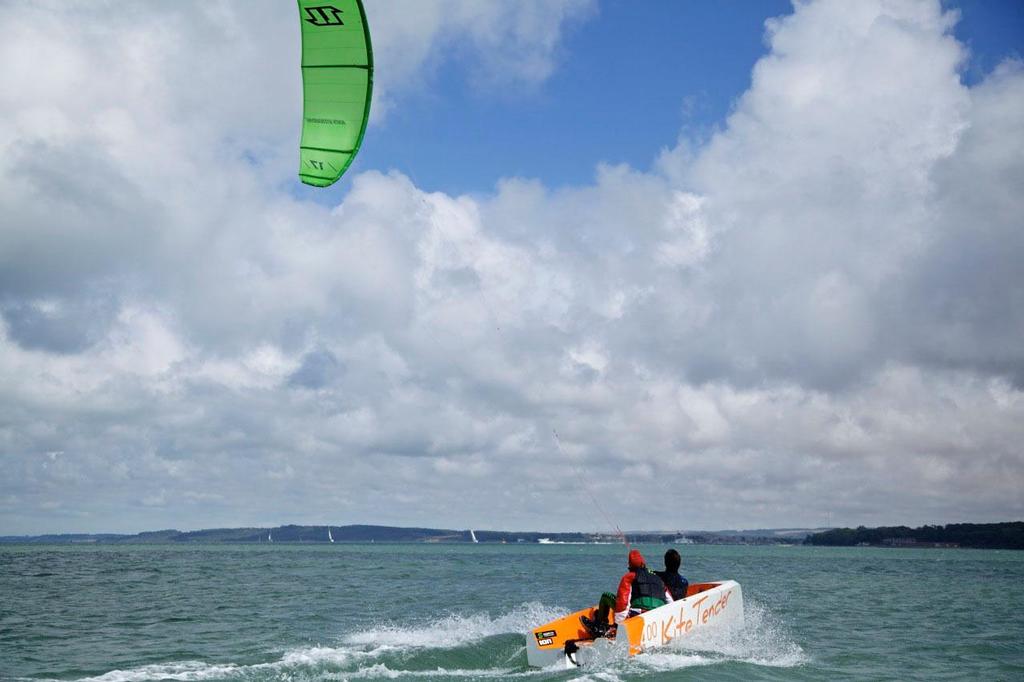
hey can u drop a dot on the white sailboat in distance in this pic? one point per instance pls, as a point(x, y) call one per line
point(329, 536)
point(472, 535)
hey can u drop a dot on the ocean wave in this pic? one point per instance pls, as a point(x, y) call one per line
point(380, 652)
point(452, 648)
point(762, 639)
point(454, 630)
point(382, 671)
point(298, 667)
point(185, 671)
point(598, 676)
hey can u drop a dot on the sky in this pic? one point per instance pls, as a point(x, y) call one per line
point(756, 264)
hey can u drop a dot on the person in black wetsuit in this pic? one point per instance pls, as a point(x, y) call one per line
point(675, 583)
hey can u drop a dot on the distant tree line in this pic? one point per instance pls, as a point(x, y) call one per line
point(1008, 535)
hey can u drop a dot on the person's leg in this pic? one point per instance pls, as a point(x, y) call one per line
point(598, 627)
point(604, 607)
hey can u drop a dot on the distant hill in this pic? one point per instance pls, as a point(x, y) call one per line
point(990, 535)
point(289, 533)
point(368, 533)
point(975, 535)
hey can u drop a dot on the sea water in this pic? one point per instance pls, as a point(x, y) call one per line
point(142, 613)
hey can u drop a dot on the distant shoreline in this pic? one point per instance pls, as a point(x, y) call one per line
point(1008, 535)
point(370, 533)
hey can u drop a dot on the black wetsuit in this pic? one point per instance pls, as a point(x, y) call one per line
point(675, 583)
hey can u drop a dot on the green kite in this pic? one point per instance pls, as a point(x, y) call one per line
point(337, 84)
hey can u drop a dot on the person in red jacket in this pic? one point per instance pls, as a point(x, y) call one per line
point(639, 591)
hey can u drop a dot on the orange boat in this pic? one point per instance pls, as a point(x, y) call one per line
point(565, 642)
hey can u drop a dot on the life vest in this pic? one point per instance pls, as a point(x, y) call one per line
point(648, 592)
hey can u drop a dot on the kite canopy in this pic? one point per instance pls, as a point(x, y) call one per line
point(337, 83)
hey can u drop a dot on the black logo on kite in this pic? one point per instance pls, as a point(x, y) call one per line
point(325, 15)
point(320, 165)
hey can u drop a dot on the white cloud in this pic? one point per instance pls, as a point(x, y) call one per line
point(508, 44)
point(817, 310)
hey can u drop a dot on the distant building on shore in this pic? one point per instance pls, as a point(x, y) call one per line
point(911, 542)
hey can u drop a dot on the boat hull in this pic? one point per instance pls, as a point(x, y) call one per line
point(564, 642)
